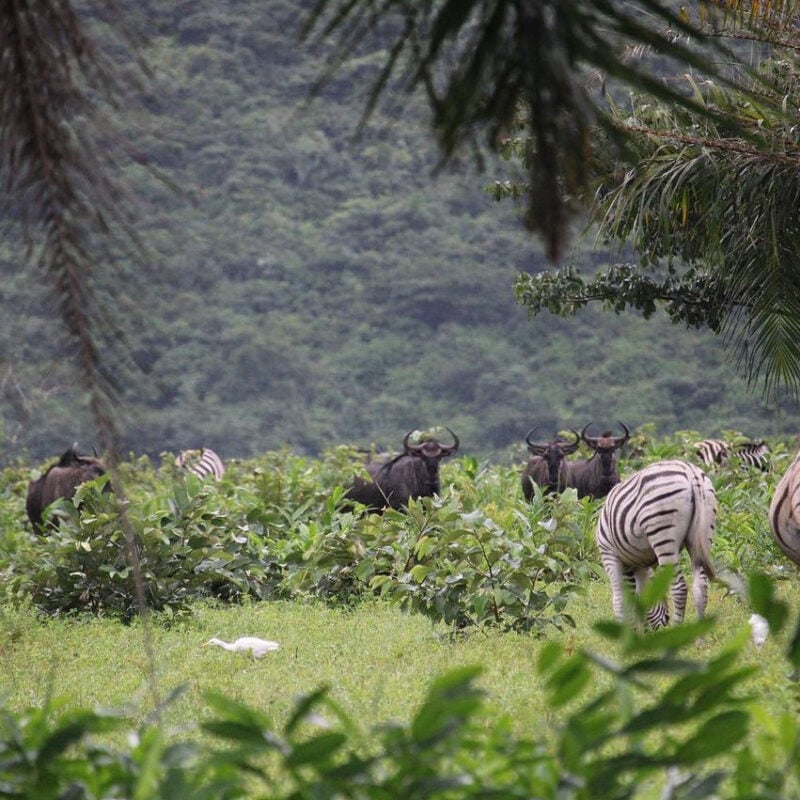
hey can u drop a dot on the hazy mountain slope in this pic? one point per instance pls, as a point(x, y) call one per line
point(309, 288)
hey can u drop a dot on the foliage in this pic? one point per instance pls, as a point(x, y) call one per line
point(483, 65)
point(274, 527)
point(708, 208)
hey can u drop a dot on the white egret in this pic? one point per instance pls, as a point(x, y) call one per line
point(258, 648)
point(759, 630)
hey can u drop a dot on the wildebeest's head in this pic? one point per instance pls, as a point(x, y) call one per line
point(430, 449)
point(412, 474)
point(547, 468)
point(605, 446)
point(61, 480)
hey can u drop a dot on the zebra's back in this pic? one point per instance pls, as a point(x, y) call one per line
point(647, 517)
point(202, 463)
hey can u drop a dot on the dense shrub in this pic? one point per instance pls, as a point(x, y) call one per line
point(479, 554)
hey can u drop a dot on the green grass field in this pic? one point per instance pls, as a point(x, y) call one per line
point(377, 660)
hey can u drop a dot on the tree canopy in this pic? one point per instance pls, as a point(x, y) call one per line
point(711, 211)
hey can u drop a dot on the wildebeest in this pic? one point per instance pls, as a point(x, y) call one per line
point(548, 467)
point(412, 474)
point(60, 480)
point(595, 476)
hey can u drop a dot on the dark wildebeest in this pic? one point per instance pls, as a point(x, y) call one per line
point(548, 467)
point(595, 476)
point(61, 480)
point(413, 473)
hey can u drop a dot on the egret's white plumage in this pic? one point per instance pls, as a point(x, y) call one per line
point(258, 648)
point(759, 630)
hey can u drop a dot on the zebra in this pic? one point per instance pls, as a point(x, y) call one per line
point(202, 462)
point(715, 452)
point(646, 521)
point(784, 514)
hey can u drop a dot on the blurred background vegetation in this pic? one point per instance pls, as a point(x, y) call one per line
point(309, 287)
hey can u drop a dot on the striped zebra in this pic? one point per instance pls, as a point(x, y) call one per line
point(784, 512)
point(202, 462)
point(715, 452)
point(646, 521)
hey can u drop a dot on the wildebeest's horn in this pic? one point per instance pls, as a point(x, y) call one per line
point(407, 448)
point(448, 449)
point(531, 443)
point(571, 448)
point(620, 440)
point(590, 440)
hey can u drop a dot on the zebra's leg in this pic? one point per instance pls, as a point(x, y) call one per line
point(699, 589)
point(679, 593)
point(616, 576)
point(657, 615)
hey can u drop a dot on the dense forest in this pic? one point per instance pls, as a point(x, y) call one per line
point(306, 286)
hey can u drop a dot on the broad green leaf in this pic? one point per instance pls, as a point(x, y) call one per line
point(317, 749)
point(715, 737)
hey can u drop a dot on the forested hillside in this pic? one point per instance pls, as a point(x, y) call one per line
point(308, 288)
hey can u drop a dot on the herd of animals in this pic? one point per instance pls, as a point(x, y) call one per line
point(647, 519)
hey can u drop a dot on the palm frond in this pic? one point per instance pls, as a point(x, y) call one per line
point(730, 210)
point(55, 159)
point(482, 60)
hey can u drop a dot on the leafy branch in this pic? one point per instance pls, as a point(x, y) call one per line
point(695, 299)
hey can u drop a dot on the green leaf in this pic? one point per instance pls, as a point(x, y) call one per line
point(716, 736)
point(303, 707)
point(451, 700)
point(320, 748)
point(673, 637)
point(656, 589)
point(567, 681)
point(764, 602)
point(71, 728)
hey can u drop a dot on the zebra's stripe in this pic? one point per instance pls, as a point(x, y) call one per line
point(201, 463)
point(646, 521)
point(784, 512)
point(715, 452)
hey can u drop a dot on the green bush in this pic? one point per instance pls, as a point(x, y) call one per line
point(478, 554)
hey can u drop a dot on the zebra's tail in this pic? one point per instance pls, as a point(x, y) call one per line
point(701, 530)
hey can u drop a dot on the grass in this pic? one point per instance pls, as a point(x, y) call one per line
point(377, 660)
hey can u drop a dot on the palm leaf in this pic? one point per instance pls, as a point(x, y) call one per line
point(74, 215)
point(482, 60)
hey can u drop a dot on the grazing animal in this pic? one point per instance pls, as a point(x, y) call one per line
point(412, 474)
point(784, 512)
point(715, 452)
point(595, 476)
point(646, 521)
point(548, 466)
point(202, 462)
point(61, 480)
